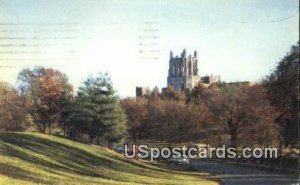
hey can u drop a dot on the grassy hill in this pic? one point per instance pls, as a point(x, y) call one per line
point(32, 158)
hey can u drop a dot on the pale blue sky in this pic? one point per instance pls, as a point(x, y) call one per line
point(237, 39)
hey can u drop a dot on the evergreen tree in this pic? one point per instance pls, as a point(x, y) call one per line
point(99, 109)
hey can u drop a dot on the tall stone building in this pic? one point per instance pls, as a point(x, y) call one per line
point(183, 71)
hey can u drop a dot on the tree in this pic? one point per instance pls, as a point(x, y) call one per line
point(171, 119)
point(99, 109)
point(197, 94)
point(240, 109)
point(137, 116)
point(176, 119)
point(153, 94)
point(43, 90)
point(283, 91)
point(156, 111)
point(204, 120)
point(171, 94)
point(261, 127)
point(12, 112)
point(66, 102)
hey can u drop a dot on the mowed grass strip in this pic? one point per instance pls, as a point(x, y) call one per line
point(33, 158)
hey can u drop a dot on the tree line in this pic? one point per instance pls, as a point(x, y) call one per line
point(222, 113)
point(45, 101)
point(266, 113)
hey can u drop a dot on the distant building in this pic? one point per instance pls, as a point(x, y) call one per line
point(183, 71)
point(164, 89)
point(239, 83)
point(140, 91)
point(183, 75)
point(210, 79)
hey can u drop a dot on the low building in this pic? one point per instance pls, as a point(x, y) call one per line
point(239, 83)
point(140, 91)
point(210, 79)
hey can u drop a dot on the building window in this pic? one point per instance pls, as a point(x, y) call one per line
point(173, 70)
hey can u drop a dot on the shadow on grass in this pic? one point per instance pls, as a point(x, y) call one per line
point(68, 158)
point(18, 173)
point(63, 157)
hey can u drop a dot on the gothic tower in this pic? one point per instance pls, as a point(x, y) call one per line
point(183, 71)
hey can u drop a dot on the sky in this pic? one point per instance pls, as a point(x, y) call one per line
point(240, 40)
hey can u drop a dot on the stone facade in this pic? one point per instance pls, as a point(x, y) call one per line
point(183, 71)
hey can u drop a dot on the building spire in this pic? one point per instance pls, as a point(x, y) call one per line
point(171, 54)
point(183, 53)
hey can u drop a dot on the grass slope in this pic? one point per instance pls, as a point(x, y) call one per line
point(32, 158)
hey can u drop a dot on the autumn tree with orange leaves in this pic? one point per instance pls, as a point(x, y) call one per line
point(43, 90)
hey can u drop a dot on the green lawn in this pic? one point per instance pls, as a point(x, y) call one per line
point(32, 158)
